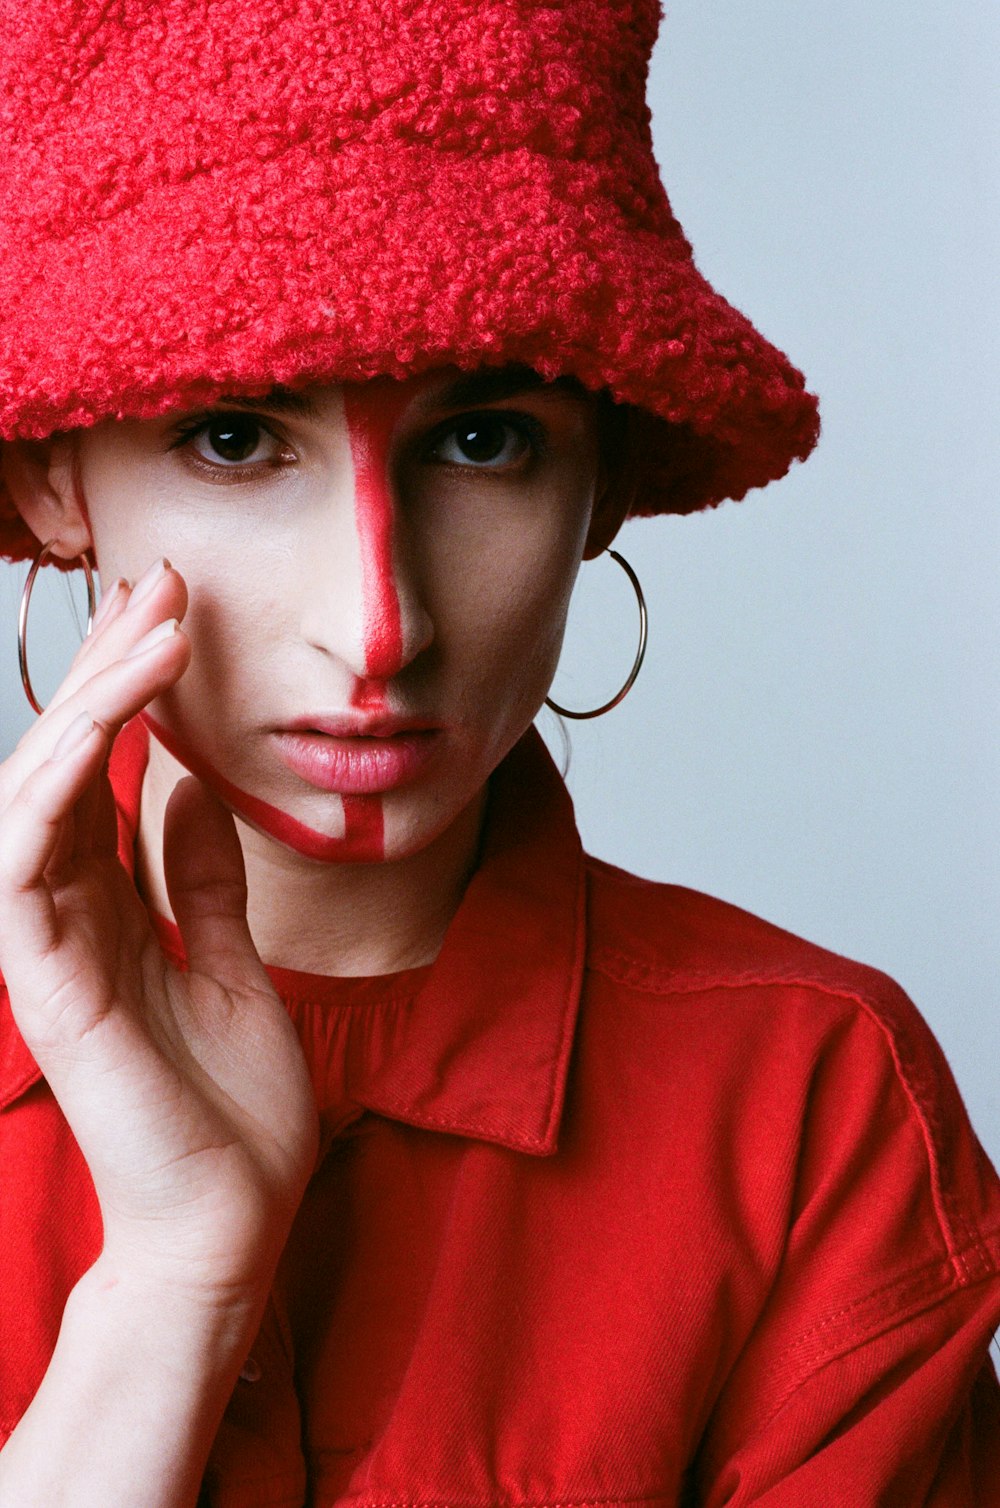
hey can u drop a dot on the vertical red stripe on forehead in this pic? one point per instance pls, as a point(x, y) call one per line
point(372, 411)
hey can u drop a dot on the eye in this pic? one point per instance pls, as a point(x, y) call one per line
point(238, 439)
point(488, 442)
point(224, 442)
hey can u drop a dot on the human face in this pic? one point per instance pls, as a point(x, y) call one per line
point(378, 577)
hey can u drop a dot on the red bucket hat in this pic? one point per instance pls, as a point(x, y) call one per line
point(217, 198)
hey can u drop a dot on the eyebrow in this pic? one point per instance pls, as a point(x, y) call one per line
point(493, 384)
point(484, 385)
point(280, 400)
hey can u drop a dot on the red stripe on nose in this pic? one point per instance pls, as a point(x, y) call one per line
point(371, 415)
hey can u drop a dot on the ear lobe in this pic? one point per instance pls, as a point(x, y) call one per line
point(611, 508)
point(42, 479)
point(618, 477)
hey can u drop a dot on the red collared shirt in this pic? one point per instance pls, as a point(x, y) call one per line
point(629, 1198)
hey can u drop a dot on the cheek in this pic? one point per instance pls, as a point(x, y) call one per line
point(234, 629)
point(516, 598)
point(505, 632)
point(217, 696)
point(128, 517)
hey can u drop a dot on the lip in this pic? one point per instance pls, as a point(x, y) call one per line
point(357, 724)
point(356, 756)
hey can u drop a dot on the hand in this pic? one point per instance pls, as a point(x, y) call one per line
point(187, 1092)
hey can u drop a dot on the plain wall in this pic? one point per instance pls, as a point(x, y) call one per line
point(814, 735)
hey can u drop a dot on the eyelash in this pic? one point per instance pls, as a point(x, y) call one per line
point(526, 426)
point(529, 429)
point(218, 471)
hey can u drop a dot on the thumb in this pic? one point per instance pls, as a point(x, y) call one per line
point(206, 882)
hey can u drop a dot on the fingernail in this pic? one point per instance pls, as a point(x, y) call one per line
point(73, 735)
point(155, 636)
point(147, 581)
point(107, 598)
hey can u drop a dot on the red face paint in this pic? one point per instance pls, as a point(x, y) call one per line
point(371, 419)
point(372, 412)
point(363, 840)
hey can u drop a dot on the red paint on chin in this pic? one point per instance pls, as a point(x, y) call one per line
point(371, 417)
point(364, 827)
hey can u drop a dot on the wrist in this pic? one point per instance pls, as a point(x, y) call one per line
point(133, 1396)
point(148, 1302)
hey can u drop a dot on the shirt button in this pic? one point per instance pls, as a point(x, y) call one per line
point(252, 1371)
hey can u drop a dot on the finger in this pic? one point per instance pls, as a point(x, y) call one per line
point(93, 832)
point(206, 883)
point(111, 604)
point(112, 696)
point(34, 828)
point(105, 834)
point(122, 620)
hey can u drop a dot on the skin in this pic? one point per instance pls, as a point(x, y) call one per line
point(358, 566)
point(371, 418)
point(365, 574)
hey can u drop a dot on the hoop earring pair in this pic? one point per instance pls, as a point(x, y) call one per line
point(46, 550)
point(22, 617)
point(636, 664)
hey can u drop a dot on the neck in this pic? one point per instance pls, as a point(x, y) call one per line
point(337, 919)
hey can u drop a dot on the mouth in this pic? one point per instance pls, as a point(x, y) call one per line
point(357, 755)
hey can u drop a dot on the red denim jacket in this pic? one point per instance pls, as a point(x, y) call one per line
point(630, 1197)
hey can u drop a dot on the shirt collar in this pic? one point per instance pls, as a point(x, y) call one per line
point(485, 1050)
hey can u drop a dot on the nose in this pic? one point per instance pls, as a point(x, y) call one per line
point(382, 623)
point(396, 626)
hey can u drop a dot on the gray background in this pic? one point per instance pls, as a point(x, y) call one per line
point(814, 736)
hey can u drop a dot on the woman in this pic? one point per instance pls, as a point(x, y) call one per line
point(510, 1177)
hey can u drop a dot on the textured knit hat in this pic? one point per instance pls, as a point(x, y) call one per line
point(202, 197)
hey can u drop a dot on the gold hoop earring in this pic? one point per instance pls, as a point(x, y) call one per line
point(639, 655)
point(22, 618)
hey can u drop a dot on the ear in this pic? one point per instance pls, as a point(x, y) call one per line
point(617, 477)
point(611, 507)
point(42, 478)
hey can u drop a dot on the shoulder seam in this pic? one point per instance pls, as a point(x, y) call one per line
point(917, 1292)
point(963, 1243)
point(622, 968)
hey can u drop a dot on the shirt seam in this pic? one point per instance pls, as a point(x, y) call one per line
point(962, 1241)
point(569, 1013)
point(494, 1133)
point(11, 1093)
point(913, 1285)
point(623, 968)
point(659, 1494)
point(917, 1294)
point(305, 997)
point(294, 997)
